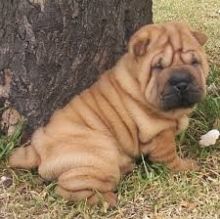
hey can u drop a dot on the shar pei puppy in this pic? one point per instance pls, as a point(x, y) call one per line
point(137, 107)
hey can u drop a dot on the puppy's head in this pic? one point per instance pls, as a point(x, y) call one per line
point(170, 65)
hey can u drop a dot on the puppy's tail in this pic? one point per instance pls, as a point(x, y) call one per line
point(24, 157)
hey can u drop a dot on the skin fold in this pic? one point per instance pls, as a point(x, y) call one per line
point(135, 108)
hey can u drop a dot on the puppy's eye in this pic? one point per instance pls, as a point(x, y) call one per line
point(195, 61)
point(158, 66)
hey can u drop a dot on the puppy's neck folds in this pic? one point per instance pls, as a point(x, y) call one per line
point(125, 110)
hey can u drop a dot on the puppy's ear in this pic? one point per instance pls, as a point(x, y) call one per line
point(200, 37)
point(138, 47)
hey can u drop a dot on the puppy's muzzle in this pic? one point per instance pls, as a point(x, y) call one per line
point(181, 91)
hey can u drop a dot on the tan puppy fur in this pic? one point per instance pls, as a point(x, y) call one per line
point(93, 140)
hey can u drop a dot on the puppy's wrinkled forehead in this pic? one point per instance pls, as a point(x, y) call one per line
point(154, 36)
point(178, 35)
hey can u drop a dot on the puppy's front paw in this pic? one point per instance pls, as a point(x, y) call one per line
point(186, 165)
point(191, 164)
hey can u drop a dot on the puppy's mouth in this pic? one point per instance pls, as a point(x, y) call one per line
point(175, 100)
point(183, 93)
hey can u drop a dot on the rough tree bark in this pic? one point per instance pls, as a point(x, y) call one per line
point(51, 50)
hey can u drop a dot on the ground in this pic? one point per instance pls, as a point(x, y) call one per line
point(150, 191)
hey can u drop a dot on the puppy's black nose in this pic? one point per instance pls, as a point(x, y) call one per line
point(180, 80)
point(181, 86)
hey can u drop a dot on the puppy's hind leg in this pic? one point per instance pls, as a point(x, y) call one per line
point(24, 157)
point(88, 183)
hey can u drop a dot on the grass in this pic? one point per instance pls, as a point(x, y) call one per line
point(150, 191)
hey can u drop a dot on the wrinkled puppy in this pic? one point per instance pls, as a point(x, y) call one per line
point(135, 108)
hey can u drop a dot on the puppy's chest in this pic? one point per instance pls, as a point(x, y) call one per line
point(150, 127)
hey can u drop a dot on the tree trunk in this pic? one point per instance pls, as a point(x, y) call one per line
point(51, 50)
